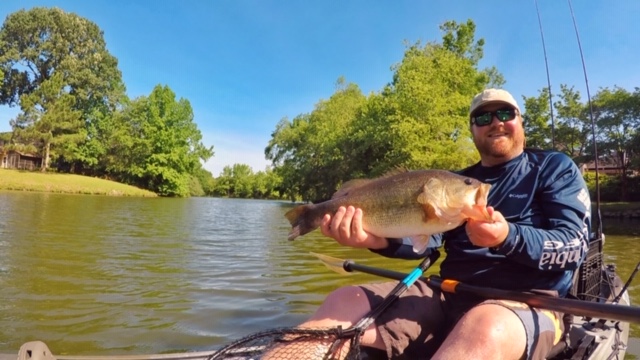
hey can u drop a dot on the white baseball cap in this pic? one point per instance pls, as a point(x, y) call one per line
point(492, 96)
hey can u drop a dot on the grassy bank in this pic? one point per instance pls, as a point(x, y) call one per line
point(65, 183)
point(619, 206)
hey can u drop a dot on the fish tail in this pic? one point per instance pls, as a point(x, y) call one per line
point(301, 221)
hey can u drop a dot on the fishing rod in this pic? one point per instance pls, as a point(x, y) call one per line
point(593, 124)
point(546, 64)
point(625, 313)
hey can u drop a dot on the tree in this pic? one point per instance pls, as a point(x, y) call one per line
point(235, 181)
point(537, 121)
point(634, 162)
point(49, 119)
point(420, 120)
point(165, 146)
point(41, 44)
point(573, 126)
point(206, 181)
point(312, 151)
point(617, 121)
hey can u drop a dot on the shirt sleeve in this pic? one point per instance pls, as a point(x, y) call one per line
point(403, 248)
point(562, 242)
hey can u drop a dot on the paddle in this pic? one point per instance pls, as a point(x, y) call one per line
point(398, 290)
point(570, 306)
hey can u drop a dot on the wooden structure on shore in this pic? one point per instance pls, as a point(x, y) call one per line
point(13, 159)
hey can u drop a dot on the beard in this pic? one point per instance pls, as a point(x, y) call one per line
point(501, 149)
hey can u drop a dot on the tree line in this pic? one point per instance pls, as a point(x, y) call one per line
point(55, 66)
point(75, 113)
point(420, 120)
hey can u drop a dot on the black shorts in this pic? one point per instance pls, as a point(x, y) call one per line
point(415, 325)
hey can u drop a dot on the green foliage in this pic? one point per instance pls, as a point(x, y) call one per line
point(57, 69)
point(616, 116)
point(607, 185)
point(573, 126)
point(36, 43)
point(537, 121)
point(205, 181)
point(312, 152)
point(419, 120)
point(425, 130)
point(195, 188)
point(459, 40)
point(49, 119)
point(239, 181)
point(5, 137)
point(164, 145)
point(611, 187)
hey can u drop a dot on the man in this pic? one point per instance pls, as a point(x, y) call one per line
point(536, 239)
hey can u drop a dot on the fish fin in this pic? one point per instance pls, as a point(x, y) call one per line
point(356, 183)
point(419, 242)
point(348, 186)
point(300, 220)
point(395, 171)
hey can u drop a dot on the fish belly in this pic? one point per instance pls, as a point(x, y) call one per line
point(405, 224)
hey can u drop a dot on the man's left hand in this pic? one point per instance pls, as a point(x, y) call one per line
point(489, 233)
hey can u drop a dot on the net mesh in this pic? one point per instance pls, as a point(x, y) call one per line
point(294, 343)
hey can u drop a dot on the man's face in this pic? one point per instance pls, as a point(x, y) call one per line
point(499, 141)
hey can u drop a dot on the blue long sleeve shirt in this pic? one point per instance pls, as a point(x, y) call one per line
point(545, 201)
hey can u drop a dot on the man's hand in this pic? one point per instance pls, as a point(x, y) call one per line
point(490, 233)
point(345, 226)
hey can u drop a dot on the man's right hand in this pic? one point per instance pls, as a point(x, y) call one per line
point(345, 226)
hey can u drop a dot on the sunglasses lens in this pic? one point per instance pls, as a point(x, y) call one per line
point(483, 119)
point(506, 114)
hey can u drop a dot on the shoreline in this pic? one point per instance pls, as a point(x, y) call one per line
point(15, 180)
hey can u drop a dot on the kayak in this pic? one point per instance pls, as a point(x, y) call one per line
point(593, 338)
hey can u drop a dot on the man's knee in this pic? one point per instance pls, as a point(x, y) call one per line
point(346, 304)
point(495, 324)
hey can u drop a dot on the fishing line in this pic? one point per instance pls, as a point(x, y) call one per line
point(546, 64)
point(593, 125)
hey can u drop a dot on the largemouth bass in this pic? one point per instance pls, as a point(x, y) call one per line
point(409, 204)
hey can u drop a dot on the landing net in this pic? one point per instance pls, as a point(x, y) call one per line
point(312, 344)
point(294, 343)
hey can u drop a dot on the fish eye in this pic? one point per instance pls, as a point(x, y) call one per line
point(468, 181)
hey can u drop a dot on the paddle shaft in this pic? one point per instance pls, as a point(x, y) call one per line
point(570, 306)
point(398, 290)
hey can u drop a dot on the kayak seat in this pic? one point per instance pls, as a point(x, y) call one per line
point(587, 280)
point(586, 286)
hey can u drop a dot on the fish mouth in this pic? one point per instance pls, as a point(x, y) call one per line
point(478, 211)
point(482, 194)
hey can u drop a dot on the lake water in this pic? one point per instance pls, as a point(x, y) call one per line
point(108, 275)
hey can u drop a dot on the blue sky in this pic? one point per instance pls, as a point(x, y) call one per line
point(246, 64)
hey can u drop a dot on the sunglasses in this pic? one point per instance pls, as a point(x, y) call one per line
point(485, 118)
